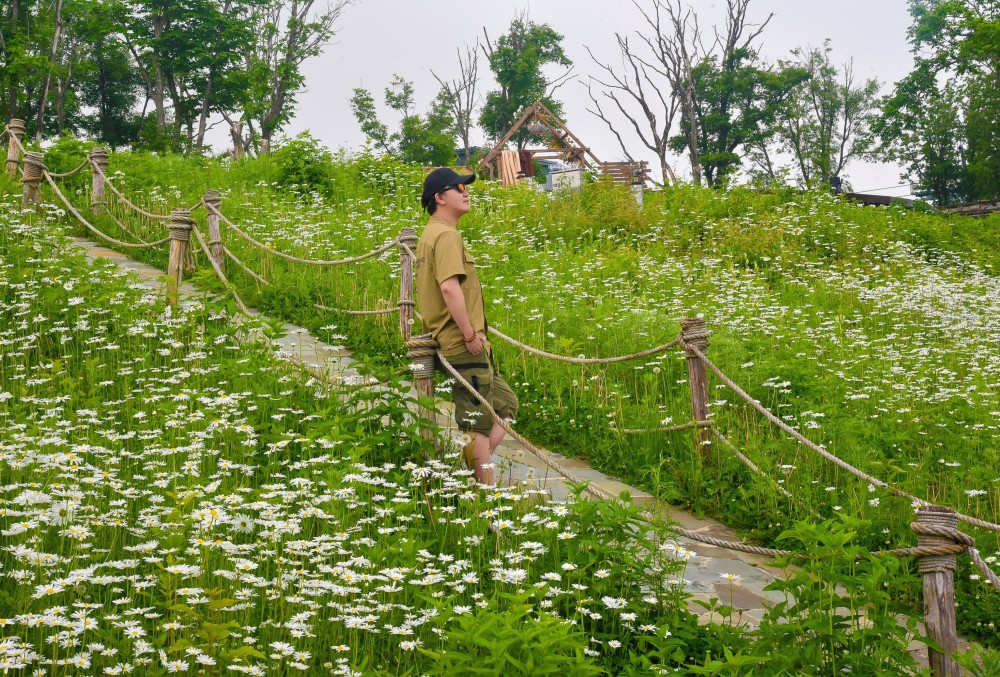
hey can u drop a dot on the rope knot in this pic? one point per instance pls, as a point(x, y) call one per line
point(213, 198)
point(16, 127)
point(34, 165)
point(180, 225)
point(937, 526)
point(422, 350)
point(694, 333)
point(99, 156)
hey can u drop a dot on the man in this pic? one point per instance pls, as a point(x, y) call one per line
point(451, 303)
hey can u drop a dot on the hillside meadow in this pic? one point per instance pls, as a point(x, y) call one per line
point(872, 331)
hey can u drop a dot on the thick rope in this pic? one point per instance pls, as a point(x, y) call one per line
point(383, 311)
point(17, 142)
point(289, 257)
point(72, 172)
point(417, 346)
point(820, 450)
point(963, 543)
point(585, 360)
point(134, 207)
point(125, 228)
point(91, 228)
point(218, 271)
point(667, 429)
point(750, 464)
point(244, 267)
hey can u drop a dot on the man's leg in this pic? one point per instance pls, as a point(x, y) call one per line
point(496, 437)
point(482, 456)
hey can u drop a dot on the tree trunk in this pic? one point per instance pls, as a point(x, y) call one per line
point(62, 86)
point(12, 84)
point(159, 95)
point(203, 117)
point(692, 117)
point(40, 119)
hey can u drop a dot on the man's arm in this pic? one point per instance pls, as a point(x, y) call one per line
point(451, 290)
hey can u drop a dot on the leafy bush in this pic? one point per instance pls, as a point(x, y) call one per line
point(304, 165)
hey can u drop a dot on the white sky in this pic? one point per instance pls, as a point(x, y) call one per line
point(379, 38)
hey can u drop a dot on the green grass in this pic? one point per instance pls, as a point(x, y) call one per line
point(873, 331)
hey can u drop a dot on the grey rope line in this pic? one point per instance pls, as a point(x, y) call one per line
point(242, 265)
point(289, 257)
point(218, 271)
point(125, 228)
point(963, 540)
point(408, 250)
point(818, 449)
point(114, 189)
point(17, 142)
point(382, 311)
point(585, 360)
point(91, 228)
point(667, 429)
point(72, 172)
point(748, 463)
point(962, 543)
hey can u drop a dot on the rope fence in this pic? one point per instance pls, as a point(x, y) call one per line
point(243, 266)
point(689, 343)
point(766, 413)
point(380, 311)
point(73, 210)
point(295, 259)
point(936, 527)
point(134, 207)
point(72, 171)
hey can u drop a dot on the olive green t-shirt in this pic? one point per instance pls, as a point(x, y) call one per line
point(441, 254)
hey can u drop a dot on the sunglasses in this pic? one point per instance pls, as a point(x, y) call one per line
point(461, 188)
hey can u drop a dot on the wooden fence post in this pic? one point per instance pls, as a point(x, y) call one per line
point(214, 202)
point(99, 156)
point(423, 352)
point(695, 334)
point(939, 590)
point(34, 165)
point(15, 128)
point(179, 226)
point(408, 237)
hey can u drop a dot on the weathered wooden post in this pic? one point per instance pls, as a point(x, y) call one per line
point(695, 334)
point(179, 227)
point(939, 590)
point(15, 132)
point(407, 238)
point(213, 203)
point(99, 158)
point(34, 165)
point(422, 352)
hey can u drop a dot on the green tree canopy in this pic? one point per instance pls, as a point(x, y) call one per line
point(941, 120)
point(517, 61)
point(428, 139)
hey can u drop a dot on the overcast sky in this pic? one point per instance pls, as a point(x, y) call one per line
point(380, 38)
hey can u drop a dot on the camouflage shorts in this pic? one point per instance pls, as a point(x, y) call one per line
point(478, 371)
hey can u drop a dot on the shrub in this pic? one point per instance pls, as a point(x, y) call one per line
point(304, 163)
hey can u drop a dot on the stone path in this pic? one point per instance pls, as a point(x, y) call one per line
point(704, 575)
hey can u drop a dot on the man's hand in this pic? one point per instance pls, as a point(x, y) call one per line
point(475, 346)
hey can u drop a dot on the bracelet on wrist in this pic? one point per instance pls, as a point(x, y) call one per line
point(470, 340)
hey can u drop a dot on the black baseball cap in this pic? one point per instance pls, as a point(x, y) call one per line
point(439, 179)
